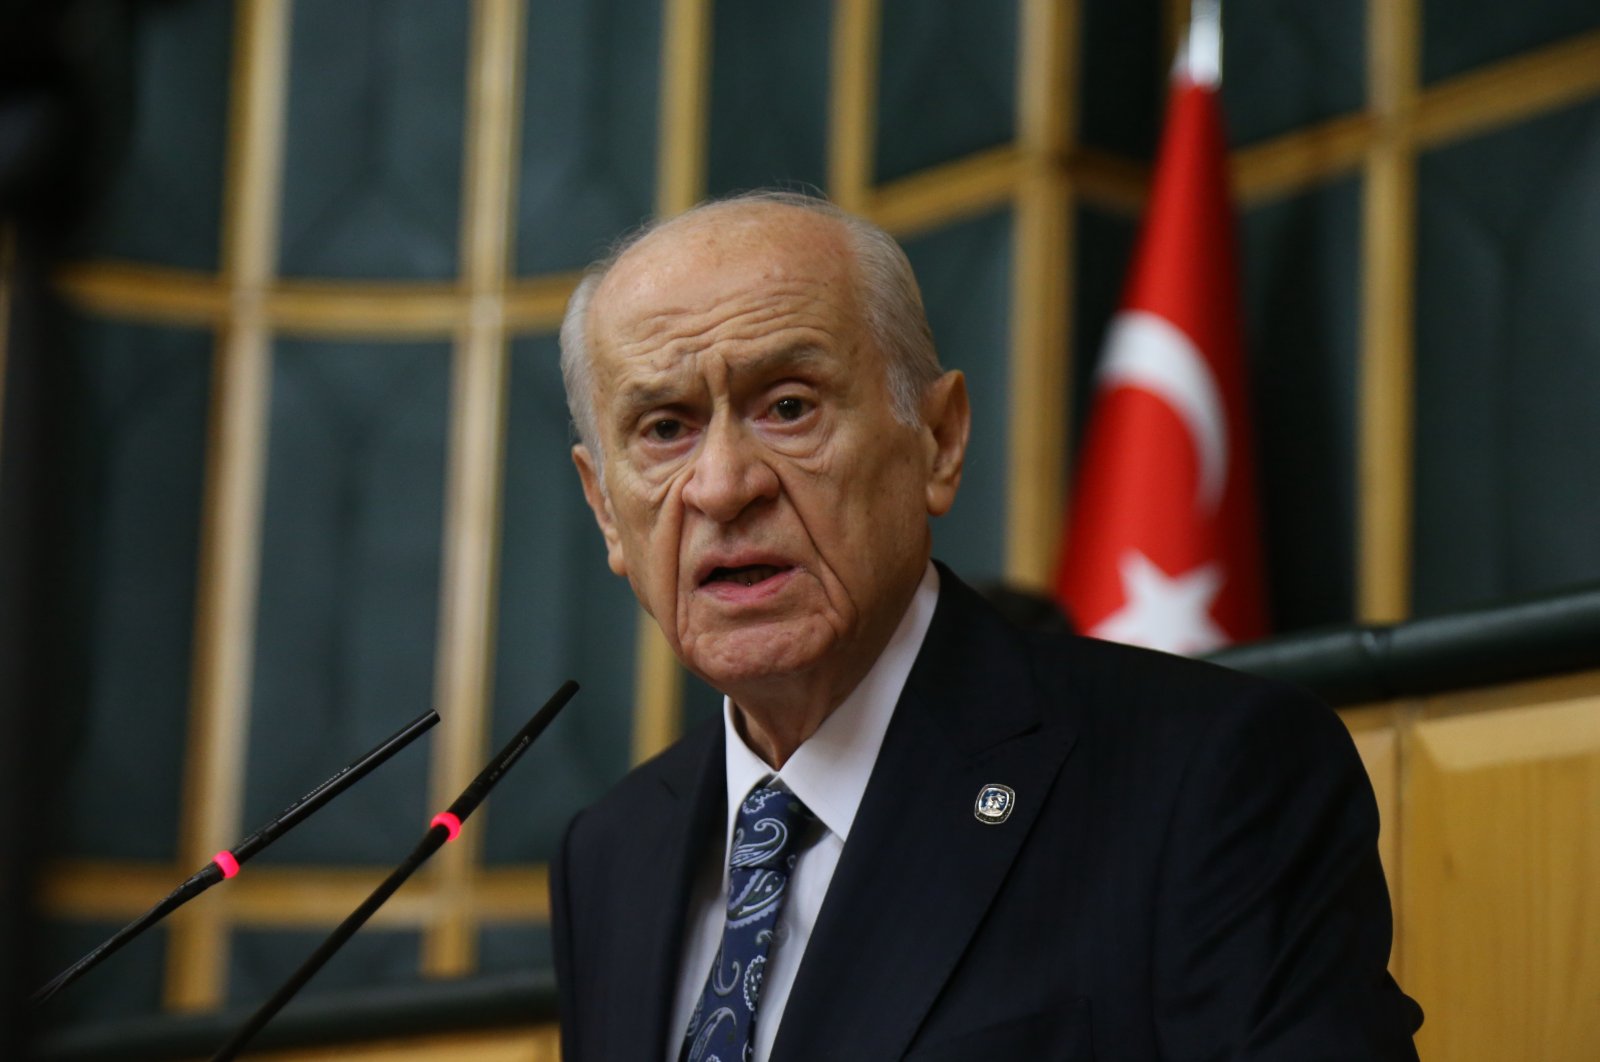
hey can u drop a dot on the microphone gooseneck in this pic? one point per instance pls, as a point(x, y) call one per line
point(226, 862)
point(444, 828)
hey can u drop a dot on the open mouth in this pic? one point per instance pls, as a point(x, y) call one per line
point(744, 575)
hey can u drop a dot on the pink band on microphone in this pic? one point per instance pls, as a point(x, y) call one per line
point(449, 822)
point(229, 865)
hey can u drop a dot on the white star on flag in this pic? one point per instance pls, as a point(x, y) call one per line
point(1170, 613)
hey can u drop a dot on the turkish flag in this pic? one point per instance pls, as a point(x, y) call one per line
point(1161, 546)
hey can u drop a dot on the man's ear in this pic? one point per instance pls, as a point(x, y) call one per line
point(947, 420)
point(600, 505)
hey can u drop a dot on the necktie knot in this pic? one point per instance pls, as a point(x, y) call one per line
point(766, 830)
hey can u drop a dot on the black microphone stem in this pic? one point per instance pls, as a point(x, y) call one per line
point(444, 828)
point(191, 888)
point(434, 840)
point(213, 872)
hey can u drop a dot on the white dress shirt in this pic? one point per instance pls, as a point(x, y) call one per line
point(828, 772)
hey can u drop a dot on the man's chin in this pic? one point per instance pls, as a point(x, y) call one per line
point(755, 656)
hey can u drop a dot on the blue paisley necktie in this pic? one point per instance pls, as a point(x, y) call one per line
point(722, 1028)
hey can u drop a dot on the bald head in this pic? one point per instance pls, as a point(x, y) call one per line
point(669, 252)
point(766, 436)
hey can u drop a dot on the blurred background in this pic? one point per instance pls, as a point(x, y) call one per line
point(284, 457)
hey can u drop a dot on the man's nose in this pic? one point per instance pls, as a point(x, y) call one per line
point(729, 473)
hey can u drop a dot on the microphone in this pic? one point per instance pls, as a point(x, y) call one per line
point(446, 826)
point(226, 863)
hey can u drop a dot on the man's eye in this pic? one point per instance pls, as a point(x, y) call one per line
point(790, 408)
point(665, 429)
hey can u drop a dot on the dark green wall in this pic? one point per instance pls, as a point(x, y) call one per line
point(1508, 368)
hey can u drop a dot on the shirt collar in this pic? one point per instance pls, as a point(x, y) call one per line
point(829, 771)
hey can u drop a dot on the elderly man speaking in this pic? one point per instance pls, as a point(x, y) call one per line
point(917, 831)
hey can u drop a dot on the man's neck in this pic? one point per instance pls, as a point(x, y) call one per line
point(776, 720)
point(776, 716)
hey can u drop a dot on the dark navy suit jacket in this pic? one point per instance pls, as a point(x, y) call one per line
point(1190, 872)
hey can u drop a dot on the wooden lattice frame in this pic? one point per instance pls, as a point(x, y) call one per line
point(1041, 177)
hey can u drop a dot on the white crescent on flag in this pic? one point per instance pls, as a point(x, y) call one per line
point(1152, 354)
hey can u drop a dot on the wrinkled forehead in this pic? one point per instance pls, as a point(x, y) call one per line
point(700, 263)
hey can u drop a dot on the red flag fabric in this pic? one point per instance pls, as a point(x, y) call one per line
point(1161, 546)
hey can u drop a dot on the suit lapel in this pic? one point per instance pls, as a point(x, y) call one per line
point(919, 870)
point(672, 839)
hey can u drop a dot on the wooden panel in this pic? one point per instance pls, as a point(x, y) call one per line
point(1041, 265)
point(1501, 848)
point(475, 476)
point(1388, 253)
point(852, 124)
point(236, 463)
point(540, 1044)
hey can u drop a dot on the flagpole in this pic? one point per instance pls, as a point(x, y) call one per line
point(1200, 57)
